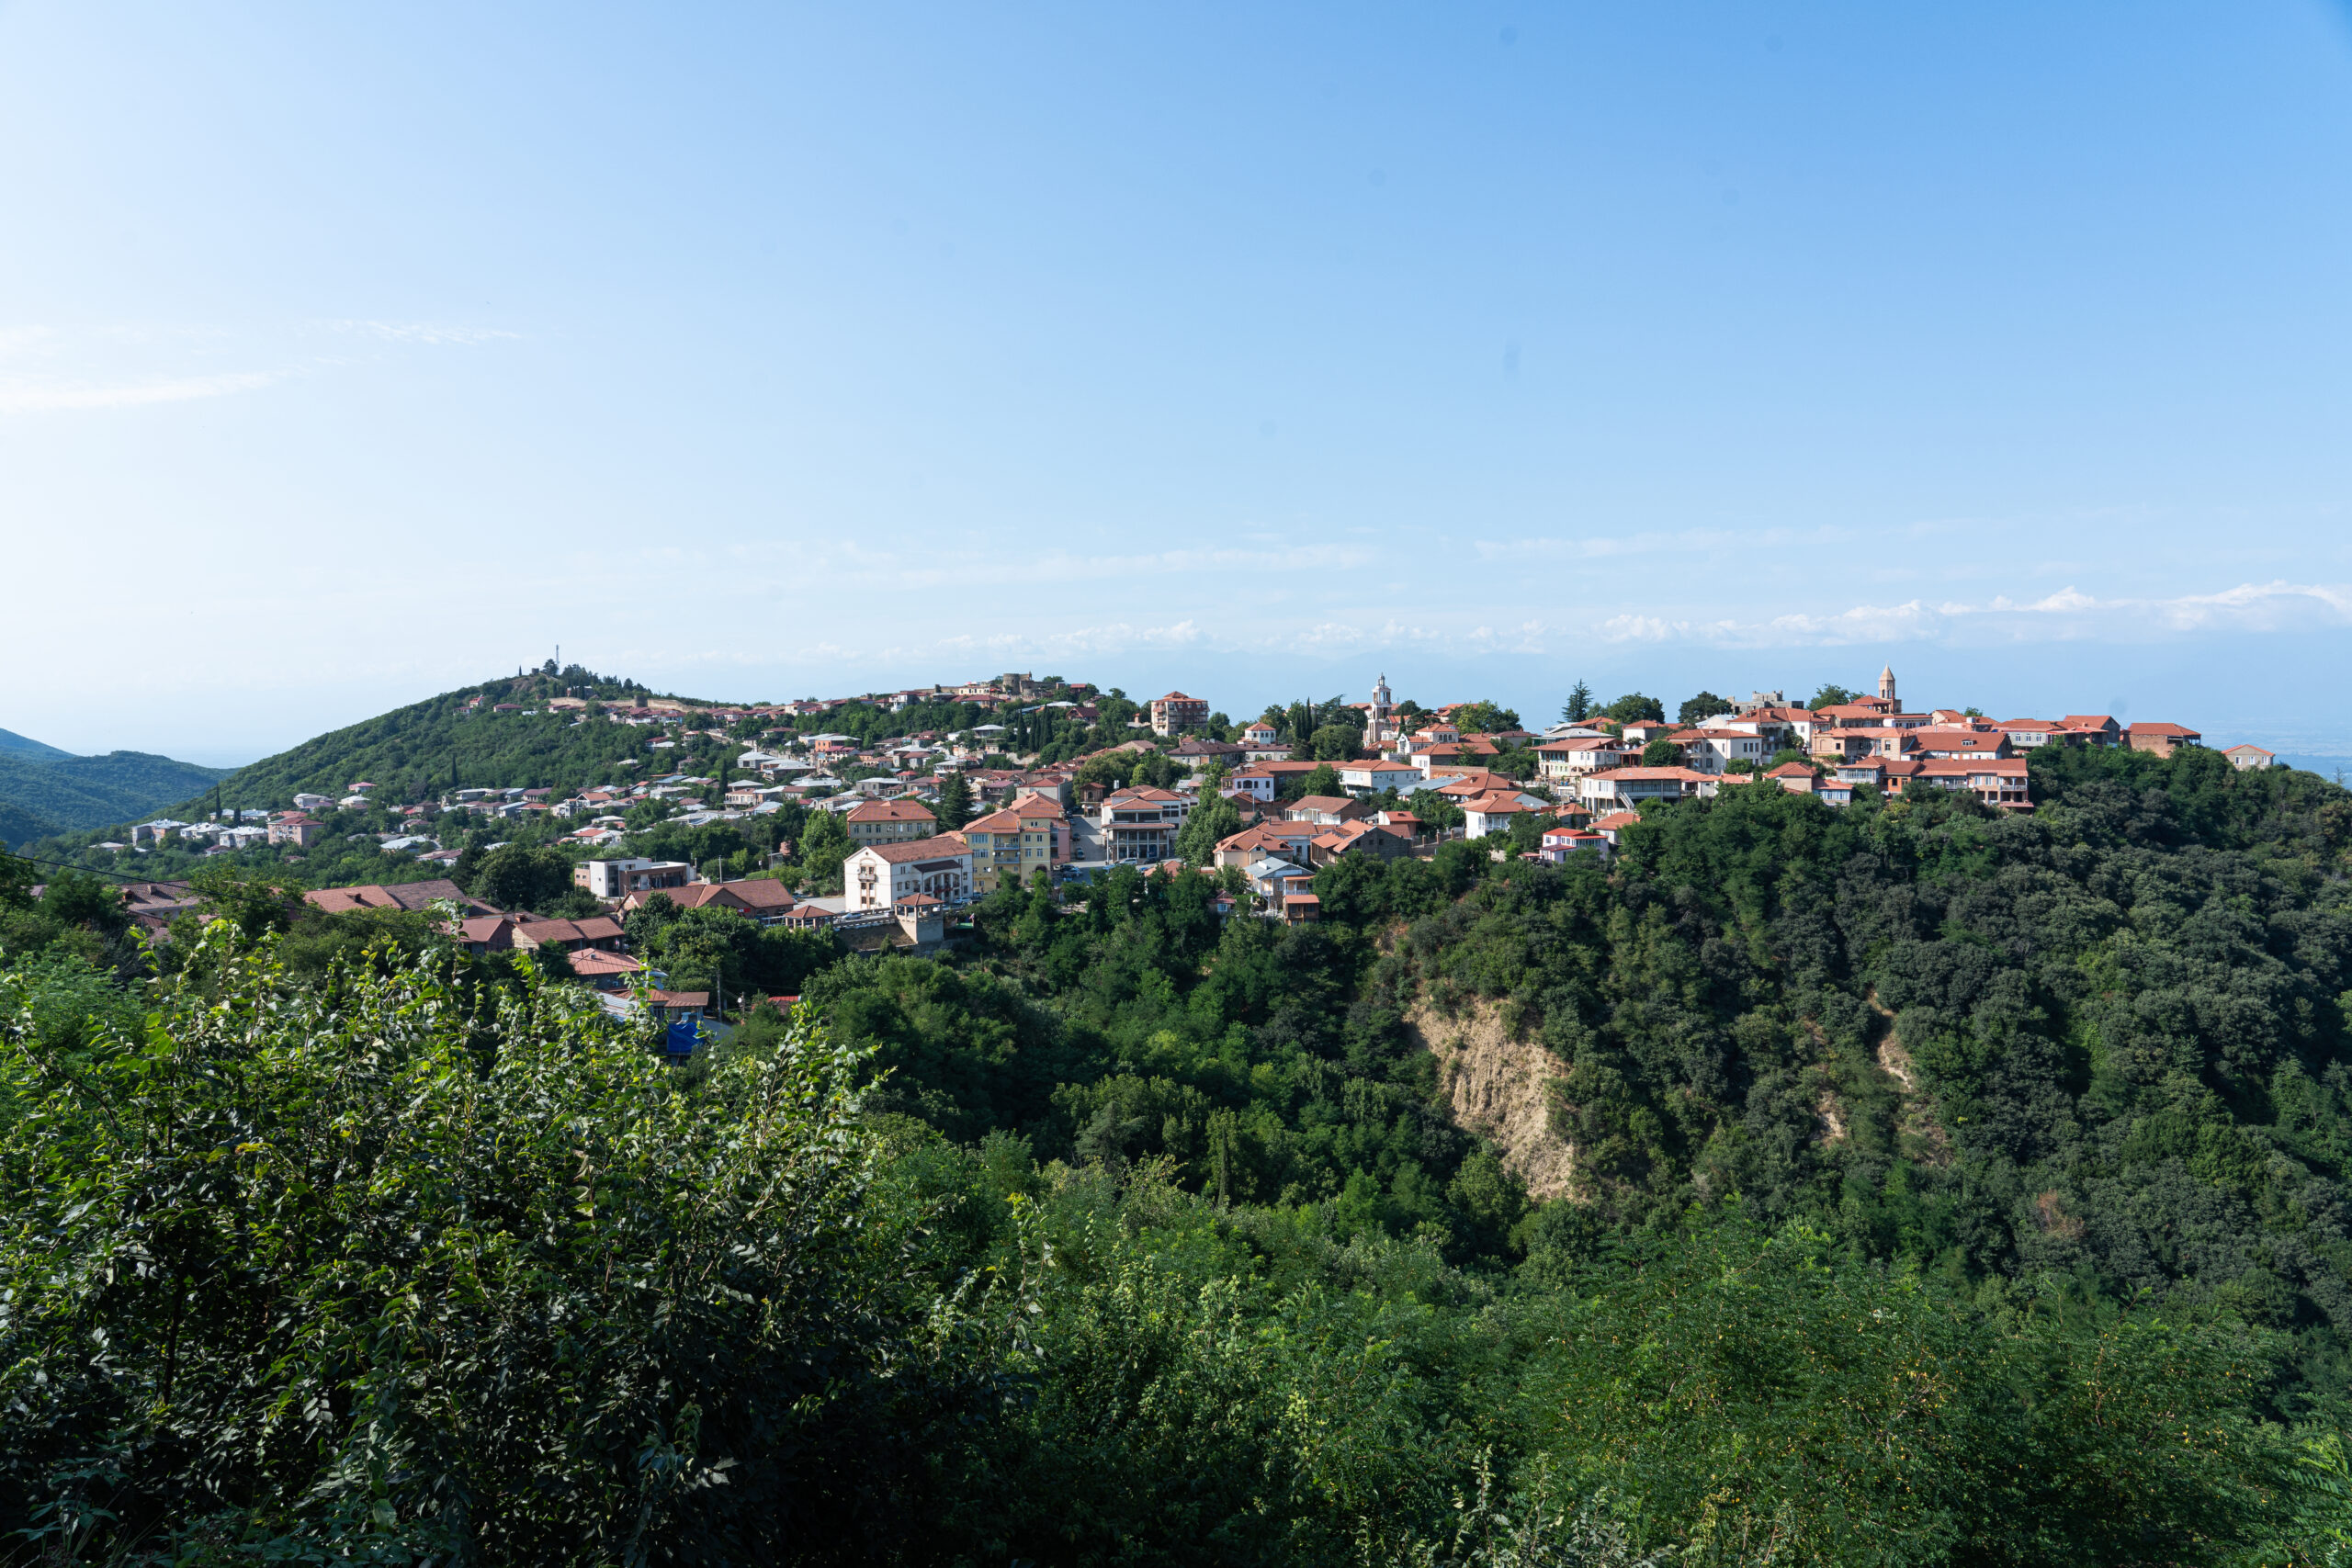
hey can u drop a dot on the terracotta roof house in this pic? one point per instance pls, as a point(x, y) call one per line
point(1379, 841)
point(2163, 740)
point(878, 875)
point(567, 936)
point(1327, 809)
point(1996, 781)
point(1631, 786)
point(605, 971)
point(409, 895)
point(763, 898)
point(2243, 757)
point(1492, 813)
point(1282, 841)
point(1582, 754)
point(1559, 844)
point(1612, 823)
point(1949, 743)
point(487, 933)
point(1372, 775)
point(2092, 728)
point(2026, 733)
point(1008, 845)
point(890, 821)
point(1200, 754)
point(1176, 713)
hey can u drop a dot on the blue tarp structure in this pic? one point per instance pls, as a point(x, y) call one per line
point(680, 1041)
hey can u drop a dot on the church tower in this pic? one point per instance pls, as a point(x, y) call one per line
point(1886, 686)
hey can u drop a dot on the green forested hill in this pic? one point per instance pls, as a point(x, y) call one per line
point(19, 826)
point(2104, 1046)
point(39, 794)
point(12, 743)
point(416, 751)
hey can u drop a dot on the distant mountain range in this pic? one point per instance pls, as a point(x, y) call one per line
point(14, 745)
point(44, 791)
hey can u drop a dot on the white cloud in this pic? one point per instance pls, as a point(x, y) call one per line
point(2067, 614)
point(113, 366)
point(1686, 541)
point(25, 396)
point(849, 560)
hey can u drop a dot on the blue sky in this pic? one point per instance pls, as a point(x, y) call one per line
point(349, 354)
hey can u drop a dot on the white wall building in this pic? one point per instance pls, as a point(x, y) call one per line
point(880, 877)
point(1619, 789)
point(618, 878)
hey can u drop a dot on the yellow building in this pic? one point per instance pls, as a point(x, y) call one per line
point(1008, 845)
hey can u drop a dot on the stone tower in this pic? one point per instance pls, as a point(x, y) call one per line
point(1886, 685)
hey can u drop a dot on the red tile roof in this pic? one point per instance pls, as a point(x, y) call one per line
point(917, 849)
point(890, 811)
point(1638, 774)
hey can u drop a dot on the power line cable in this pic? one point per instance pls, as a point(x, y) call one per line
point(90, 870)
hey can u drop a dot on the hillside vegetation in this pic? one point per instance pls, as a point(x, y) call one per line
point(415, 751)
point(14, 744)
point(44, 795)
point(1924, 1186)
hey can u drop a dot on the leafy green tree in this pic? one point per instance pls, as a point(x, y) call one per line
point(1485, 719)
point(1157, 770)
point(1661, 753)
point(1830, 695)
point(1334, 742)
point(518, 877)
point(1214, 819)
point(1779, 1371)
point(824, 846)
point(1633, 707)
point(1527, 831)
point(287, 1260)
point(1706, 704)
point(257, 903)
point(1322, 779)
point(1579, 707)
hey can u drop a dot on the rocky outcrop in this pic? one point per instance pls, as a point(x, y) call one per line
point(1500, 1088)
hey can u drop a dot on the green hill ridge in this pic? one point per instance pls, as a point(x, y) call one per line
point(26, 746)
point(48, 792)
point(416, 751)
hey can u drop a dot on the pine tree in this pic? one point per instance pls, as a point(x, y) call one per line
point(955, 802)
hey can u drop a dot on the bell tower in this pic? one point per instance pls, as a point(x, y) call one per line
point(1886, 685)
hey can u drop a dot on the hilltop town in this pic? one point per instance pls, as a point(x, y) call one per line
point(892, 826)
